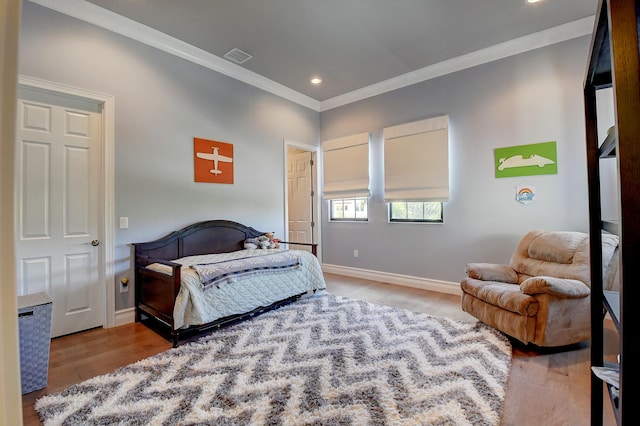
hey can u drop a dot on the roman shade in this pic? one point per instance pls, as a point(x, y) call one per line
point(416, 161)
point(346, 167)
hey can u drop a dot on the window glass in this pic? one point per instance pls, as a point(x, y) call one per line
point(407, 211)
point(348, 209)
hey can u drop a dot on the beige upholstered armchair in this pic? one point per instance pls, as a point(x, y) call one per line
point(543, 295)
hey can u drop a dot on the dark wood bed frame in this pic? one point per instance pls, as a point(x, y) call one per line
point(155, 292)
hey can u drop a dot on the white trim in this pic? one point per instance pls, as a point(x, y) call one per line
point(287, 143)
point(533, 41)
point(125, 316)
point(108, 186)
point(118, 24)
point(404, 280)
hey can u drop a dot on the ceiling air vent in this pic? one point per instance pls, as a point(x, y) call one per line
point(236, 55)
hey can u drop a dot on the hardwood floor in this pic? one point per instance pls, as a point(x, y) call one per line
point(545, 387)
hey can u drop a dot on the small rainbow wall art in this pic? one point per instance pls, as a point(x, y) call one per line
point(525, 194)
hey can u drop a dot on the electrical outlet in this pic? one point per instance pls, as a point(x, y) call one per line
point(124, 285)
point(355, 253)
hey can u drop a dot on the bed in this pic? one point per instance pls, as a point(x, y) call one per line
point(173, 297)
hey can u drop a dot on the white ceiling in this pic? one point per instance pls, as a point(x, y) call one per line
point(358, 47)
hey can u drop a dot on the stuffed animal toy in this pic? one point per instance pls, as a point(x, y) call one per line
point(266, 241)
point(251, 243)
point(275, 242)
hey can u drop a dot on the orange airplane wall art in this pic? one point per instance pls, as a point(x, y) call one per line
point(213, 161)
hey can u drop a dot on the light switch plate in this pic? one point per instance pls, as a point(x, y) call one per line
point(124, 222)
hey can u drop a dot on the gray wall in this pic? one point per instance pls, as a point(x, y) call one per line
point(161, 104)
point(529, 98)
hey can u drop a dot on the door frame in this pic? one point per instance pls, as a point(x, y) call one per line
point(316, 230)
point(106, 183)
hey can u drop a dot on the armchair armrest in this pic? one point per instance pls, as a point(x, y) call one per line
point(492, 272)
point(559, 287)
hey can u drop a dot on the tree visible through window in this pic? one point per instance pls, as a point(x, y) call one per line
point(349, 209)
point(407, 211)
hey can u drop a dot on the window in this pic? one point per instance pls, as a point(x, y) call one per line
point(415, 211)
point(346, 167)
point(348, 209)
point(346, 177)
point(416, 161)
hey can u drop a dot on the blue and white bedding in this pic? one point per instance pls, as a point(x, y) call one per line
point(198, 303)
point(229, 271)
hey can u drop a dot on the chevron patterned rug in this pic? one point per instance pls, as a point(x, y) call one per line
point(323, 360)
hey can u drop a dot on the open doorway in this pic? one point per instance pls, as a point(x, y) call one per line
point(301, 200)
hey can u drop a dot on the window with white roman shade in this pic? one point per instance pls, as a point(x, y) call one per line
point(346, 167)
point(416, 161)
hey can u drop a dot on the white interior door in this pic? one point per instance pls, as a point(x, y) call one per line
point(58, 251)
point(300, 195)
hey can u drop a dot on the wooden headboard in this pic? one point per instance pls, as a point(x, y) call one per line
point(211, 236)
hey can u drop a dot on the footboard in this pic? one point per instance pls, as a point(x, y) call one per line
point(156, 291)
point(312, 247)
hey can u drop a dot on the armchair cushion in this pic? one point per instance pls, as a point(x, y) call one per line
point(492, 272)
point(557, 254)
point(506, 296)
point(556, 247)
point(558, 287)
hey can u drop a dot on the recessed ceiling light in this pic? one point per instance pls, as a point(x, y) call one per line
point(316, 80)
point(533, 1)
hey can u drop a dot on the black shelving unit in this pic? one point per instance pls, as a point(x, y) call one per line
point(614, 63)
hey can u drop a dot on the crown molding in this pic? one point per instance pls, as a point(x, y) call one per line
point(126, 27)
point(108, 20)
point(532, 41)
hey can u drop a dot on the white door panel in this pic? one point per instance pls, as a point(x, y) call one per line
point(59, 146)
point(300, 200)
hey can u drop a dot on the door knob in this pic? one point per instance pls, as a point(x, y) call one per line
point(95, 243)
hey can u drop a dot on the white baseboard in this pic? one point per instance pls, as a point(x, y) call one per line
point(125, 316)
point(405, 280)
